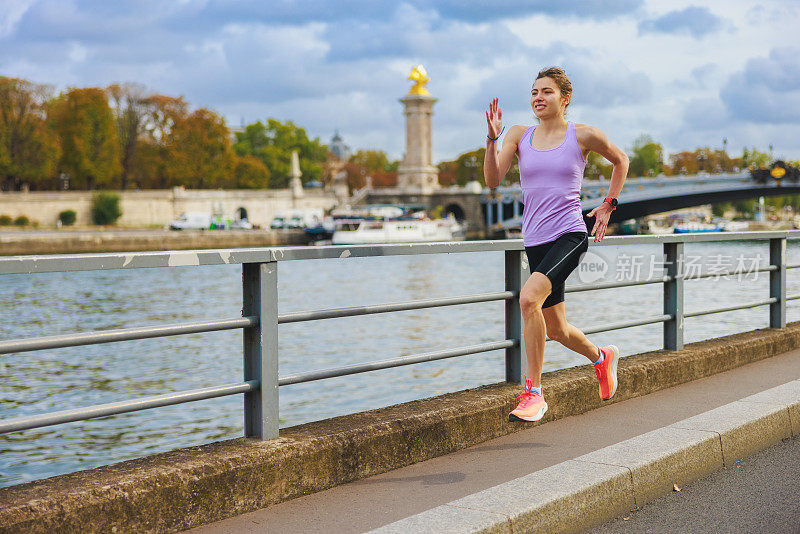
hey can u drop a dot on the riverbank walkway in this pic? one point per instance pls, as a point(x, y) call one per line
point(406, 494)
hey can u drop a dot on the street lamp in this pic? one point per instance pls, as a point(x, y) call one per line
point(724, 154)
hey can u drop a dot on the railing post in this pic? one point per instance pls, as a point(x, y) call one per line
point(516, 274)
point(260, 298)
point(777, 283)
point(673, 296)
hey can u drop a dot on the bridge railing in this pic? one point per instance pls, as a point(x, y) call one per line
point(260, 318)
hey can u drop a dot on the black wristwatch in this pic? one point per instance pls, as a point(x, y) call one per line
point(613, 201)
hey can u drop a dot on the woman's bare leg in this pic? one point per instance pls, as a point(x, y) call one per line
point(533, 294)
point(558, 329)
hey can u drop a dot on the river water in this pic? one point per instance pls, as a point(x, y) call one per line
point(56, 303)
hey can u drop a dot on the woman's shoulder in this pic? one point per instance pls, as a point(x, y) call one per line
point(516, 132)
point(584, 130)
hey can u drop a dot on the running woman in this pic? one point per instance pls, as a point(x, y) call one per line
point(552, 156)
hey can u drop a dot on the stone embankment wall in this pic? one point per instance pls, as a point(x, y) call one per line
point(159, 207)
point(27, 242)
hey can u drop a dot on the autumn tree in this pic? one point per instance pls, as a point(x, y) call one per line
point(647, 157)
point(373, 160)
point(29, 149)
point(131, 107)
point(88, 135)
point(154, 159)
point(469, 166)
point(684, 163)
point(273, 144)
point(201, 150)
point(249, 172)
point(372, 163)
point(703, 159)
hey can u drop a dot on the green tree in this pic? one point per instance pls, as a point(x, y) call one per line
point(372, 160)
point(647, 157)
point(88, 134)
point(273, 144)
point(719, 209)
point(755, 158)
point(29, 149)
point(597, 166)
point(105, 208)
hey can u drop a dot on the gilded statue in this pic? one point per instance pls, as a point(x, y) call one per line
point(420, 78)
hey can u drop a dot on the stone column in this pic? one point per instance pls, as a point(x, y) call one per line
point(416, 170)
point(295, 184)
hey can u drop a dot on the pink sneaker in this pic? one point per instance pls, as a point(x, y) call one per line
point(531, 405)
point(607, 372)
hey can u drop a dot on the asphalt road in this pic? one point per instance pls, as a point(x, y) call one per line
point(758, 494)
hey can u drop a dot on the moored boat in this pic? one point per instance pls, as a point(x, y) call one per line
point(406, 229)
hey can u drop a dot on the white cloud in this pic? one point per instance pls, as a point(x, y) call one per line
point(11, 11)
point(327, 65)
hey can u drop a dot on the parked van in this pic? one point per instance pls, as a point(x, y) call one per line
point(278, 222)
point(191, 221)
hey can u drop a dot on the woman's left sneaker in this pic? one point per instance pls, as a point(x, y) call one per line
point(607, 372)
point(531, 405)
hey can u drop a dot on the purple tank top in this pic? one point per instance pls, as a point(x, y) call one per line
point(551, 188)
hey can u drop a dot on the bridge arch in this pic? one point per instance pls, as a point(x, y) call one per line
point(457, 211)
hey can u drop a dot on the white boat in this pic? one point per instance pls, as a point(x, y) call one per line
point(655, 228)
point(692, 227)
point(415, 229)
point(733, 226)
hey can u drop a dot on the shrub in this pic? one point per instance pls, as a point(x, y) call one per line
point(67, 217)
point(5, 220)
point(21, 221)
point(105, 208)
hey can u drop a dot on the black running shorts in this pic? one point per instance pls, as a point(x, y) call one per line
point(556, 260)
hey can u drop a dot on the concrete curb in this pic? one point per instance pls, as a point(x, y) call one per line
point(27, 242)
point(188, 487)
point(597, 487)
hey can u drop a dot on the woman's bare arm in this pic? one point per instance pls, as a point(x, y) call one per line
point(594, 140)
point(496, 163)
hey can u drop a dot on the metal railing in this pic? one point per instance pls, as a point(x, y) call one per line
point(260, 318)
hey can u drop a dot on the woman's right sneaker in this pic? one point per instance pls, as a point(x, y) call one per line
point(531, 405)
point(607, 372)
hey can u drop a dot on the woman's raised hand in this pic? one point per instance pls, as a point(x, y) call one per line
point(494, 119)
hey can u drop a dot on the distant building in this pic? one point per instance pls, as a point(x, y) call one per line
point(339, 149)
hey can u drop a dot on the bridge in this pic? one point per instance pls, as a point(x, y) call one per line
point(683, 435)
point(502, 208)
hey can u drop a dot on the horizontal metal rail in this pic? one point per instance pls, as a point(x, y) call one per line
point(394, 362)
point(114, 408)
point(180, 258)
point(109, 336)
point(610, 285)
point(732, 273)
point(793, 265)
point(793, 297)
point(399, 306)
point(731, 308)
point(627, 324)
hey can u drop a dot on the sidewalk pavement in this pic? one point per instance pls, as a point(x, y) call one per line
point(625, 453)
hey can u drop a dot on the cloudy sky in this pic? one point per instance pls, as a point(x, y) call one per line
point(687, 73)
